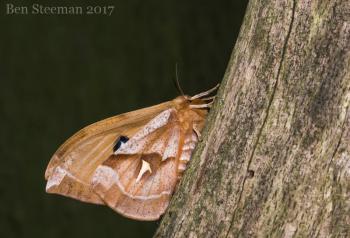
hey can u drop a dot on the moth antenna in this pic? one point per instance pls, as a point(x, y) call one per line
point(205, 93)
point(177, 82)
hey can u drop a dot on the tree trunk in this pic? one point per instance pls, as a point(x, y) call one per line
point(274, 159)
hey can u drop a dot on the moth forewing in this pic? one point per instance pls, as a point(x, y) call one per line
point(137, 175)
point(70, 169)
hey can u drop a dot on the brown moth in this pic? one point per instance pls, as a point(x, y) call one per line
point(133, 161)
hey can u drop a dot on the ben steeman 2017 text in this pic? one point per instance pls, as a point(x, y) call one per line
point(38, 9)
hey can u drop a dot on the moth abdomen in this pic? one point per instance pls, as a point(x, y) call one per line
point(186, 152)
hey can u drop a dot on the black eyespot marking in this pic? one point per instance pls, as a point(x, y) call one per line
point(121, 140)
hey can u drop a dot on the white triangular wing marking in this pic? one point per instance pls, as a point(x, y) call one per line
point(144, 168)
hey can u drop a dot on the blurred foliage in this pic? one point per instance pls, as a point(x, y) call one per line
point(60, 73)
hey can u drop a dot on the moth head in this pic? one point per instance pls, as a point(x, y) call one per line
point(201, 100)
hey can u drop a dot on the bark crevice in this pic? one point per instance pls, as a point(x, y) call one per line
point(340, 138)
point(284, 49)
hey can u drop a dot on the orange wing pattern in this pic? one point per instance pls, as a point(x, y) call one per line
point(71, 168)
point(125, 187)
point(136, 178)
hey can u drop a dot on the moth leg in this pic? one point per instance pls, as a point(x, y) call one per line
point(204, 93)
point(206, 105)
point(208, 98)
point(197, 130)
point(144, 168)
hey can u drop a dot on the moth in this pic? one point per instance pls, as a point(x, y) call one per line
point(131, 162)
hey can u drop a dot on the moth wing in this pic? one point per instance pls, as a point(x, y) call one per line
point(70, 169)
point(143, 196)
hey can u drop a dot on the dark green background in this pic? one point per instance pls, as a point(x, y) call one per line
point(60, 73)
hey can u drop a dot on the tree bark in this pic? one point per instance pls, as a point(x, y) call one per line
point(274, 159)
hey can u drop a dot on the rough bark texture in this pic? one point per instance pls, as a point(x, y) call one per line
point(275, 156)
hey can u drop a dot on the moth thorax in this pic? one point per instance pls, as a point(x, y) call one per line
point(181, 102)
